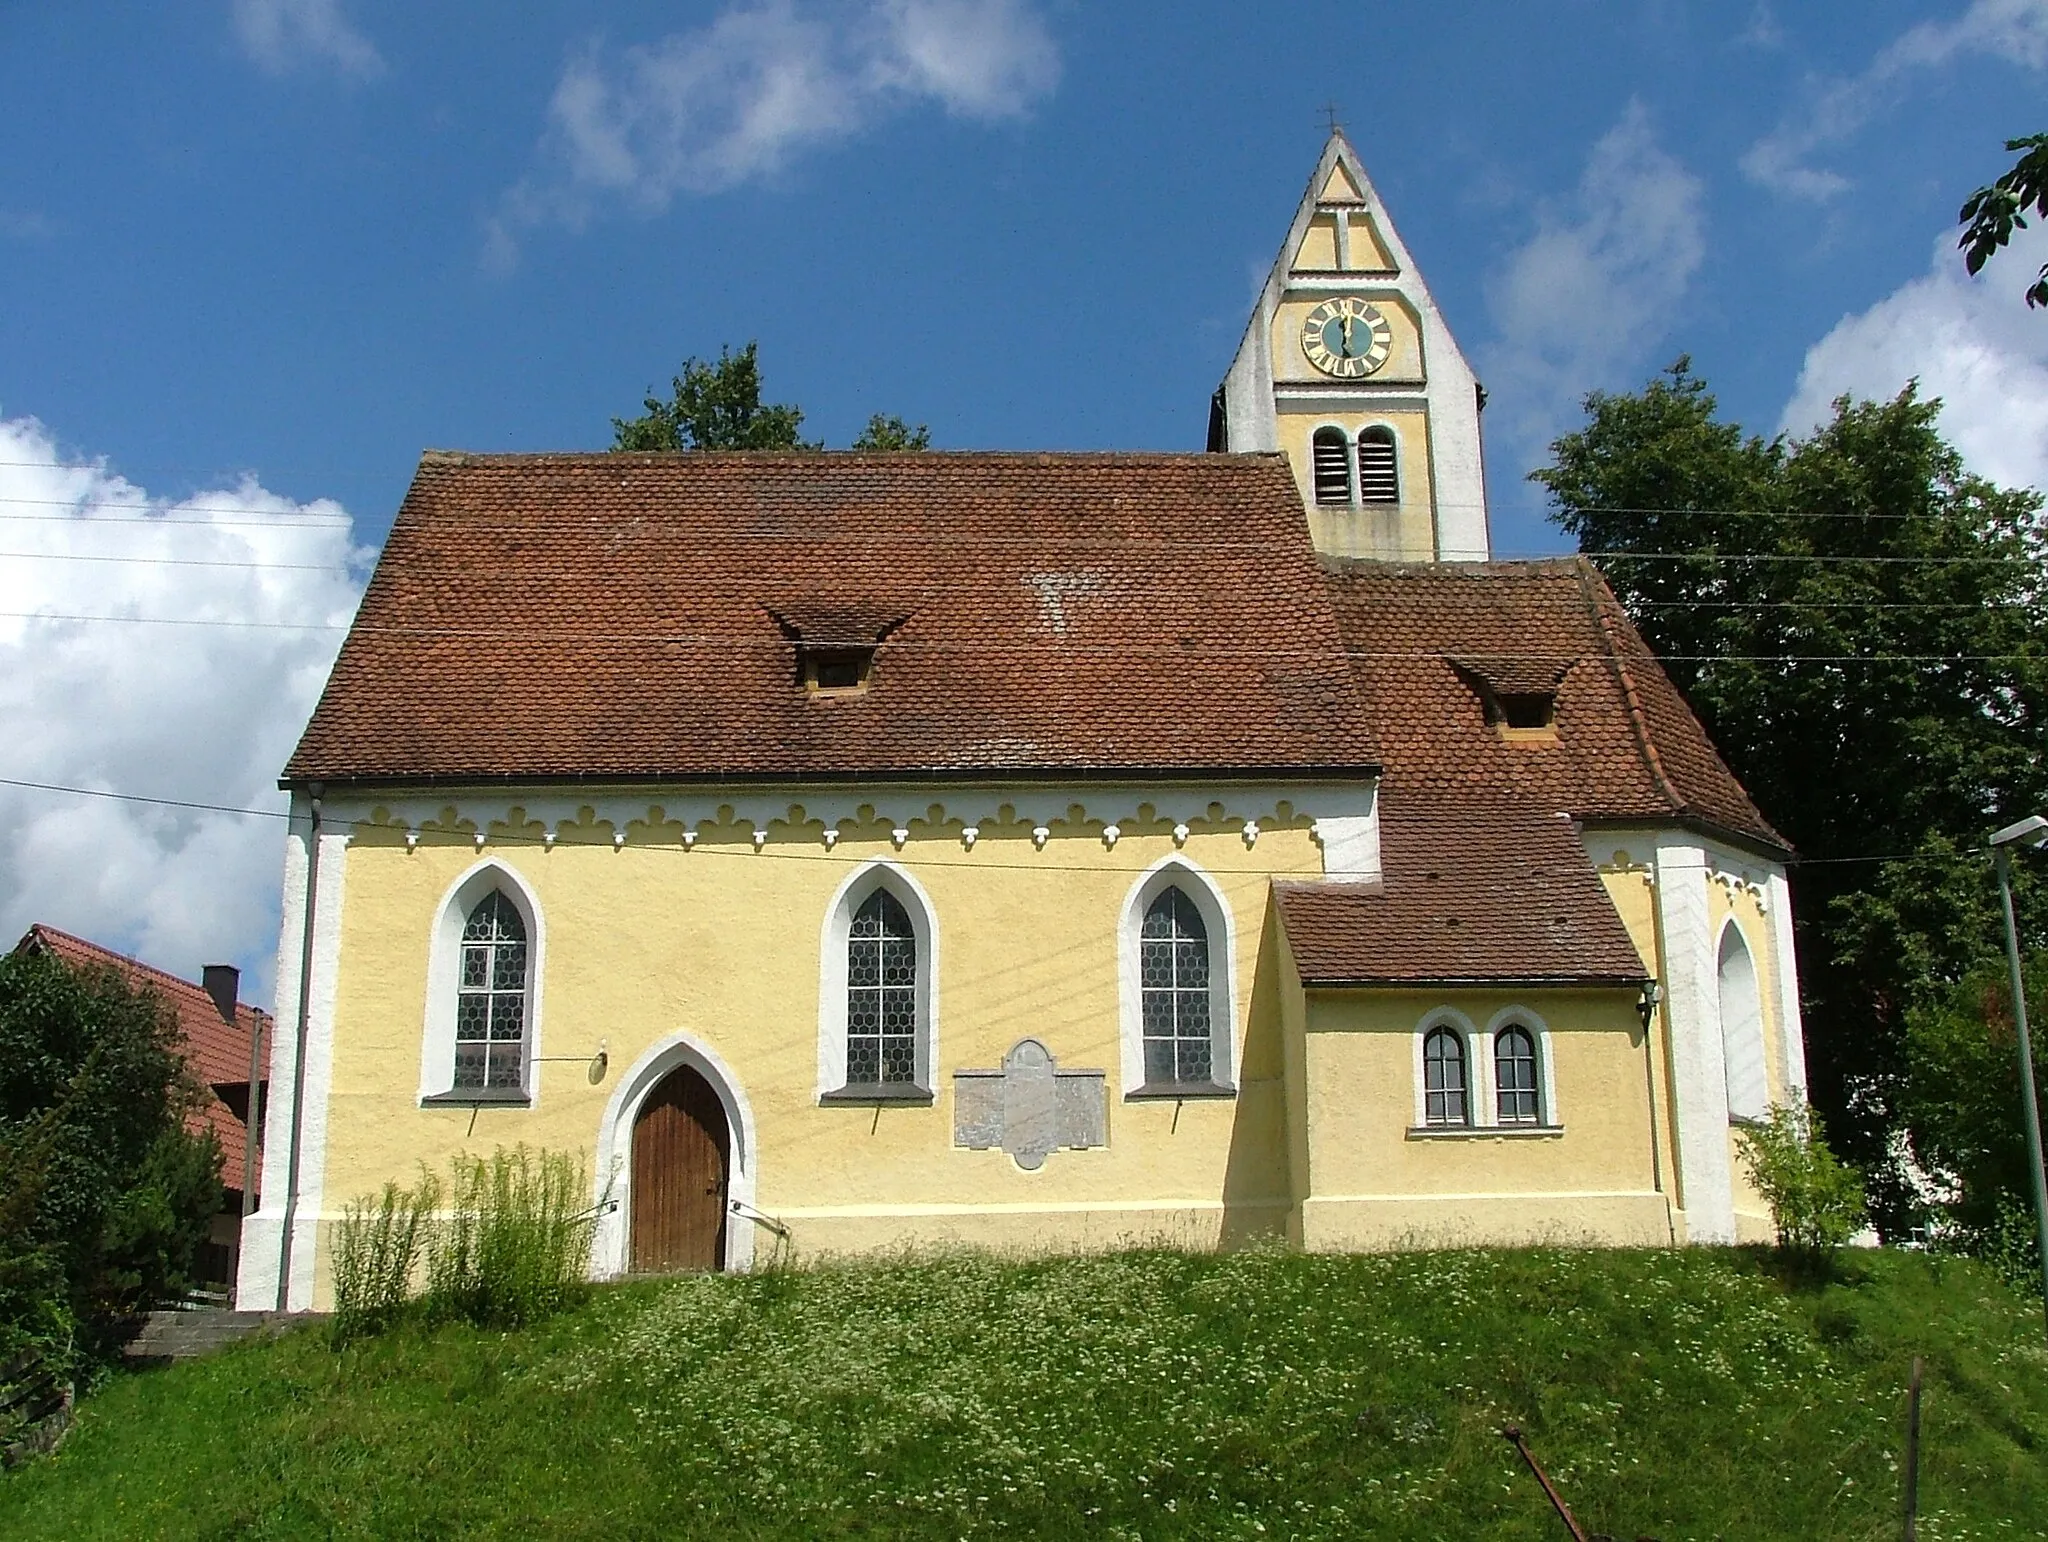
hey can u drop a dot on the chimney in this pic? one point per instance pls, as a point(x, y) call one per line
point(223, 983)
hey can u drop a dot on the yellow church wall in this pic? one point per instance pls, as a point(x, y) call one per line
point(1318, 249)
point(1374, 1182)
point(1369, 253)
point(723, 942)
point(1632, 889)
point(1405, 531)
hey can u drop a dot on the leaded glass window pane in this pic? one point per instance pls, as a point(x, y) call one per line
point(1514, 1062)
point(1173, 991)
point(881, 994)
point(1443, 1078)
point(490, 999)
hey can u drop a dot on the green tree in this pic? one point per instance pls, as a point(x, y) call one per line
point(1961, 1095)
point(108, 1195)
point(714, 407)
point(1992, 214)
point(1858, 622)
point(889, 432)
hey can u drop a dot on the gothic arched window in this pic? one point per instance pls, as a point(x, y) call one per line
point(1379, 475)
point(490, 997)
point(1443, 1078)
point(1514, 1075)
point(1173, 984)
point(1330, 455)
point(1742, 1029)
point(881, 994)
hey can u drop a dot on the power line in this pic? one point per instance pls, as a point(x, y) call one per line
point(912, 541)
point(900, 646)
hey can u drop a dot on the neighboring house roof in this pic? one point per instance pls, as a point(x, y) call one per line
point(1426, 640)
point(217, 1054)
point(619, 617)
point(1471, 891)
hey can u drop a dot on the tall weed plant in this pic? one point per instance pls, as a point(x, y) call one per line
point(515, 1244)
point(510, 1245)
point(378, 1246)
point(1816, 1199)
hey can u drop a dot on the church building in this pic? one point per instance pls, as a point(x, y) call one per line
point(845, 852)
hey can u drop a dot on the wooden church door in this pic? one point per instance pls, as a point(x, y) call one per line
point(681, 1148)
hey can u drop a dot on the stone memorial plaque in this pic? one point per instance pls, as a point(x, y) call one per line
point(1030, 1108)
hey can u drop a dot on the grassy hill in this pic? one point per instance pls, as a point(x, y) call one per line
point(1259, 1395)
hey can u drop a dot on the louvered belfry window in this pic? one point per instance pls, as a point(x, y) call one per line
point(1173, 982)
point(881, 994)
point(1379, 477)
point(1443, 1078)
point(490, 1001)
point(1331, 454)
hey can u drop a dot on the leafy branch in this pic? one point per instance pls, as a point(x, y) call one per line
point(1993, 213)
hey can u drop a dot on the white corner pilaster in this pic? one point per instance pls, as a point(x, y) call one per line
point(1693, 1022)
point(1785, 973)
point(267, 1255)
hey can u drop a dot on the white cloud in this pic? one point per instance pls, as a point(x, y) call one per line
point(709, 109)
point(2015, 31)
point(202, 713)
point(1764, 30)
point(1970, 341)
point(1582, 300)
point(280, 35)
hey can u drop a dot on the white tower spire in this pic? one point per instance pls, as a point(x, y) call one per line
point(1349, 368)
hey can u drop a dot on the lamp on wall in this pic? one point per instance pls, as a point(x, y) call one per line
point(1646, 1004)
point(599, 1062)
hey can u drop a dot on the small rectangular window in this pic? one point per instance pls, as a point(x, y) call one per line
point(837, 669)
point(1527, 709)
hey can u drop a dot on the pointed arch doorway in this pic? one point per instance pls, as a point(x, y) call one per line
point(682, 1163)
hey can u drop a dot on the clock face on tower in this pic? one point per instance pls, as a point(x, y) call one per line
point(1347, 338)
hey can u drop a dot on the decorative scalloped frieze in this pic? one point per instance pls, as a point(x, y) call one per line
point(1343, 819)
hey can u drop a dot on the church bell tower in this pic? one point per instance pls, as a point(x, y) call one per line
point(1349, 369)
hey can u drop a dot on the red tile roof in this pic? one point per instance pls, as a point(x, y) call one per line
point(631, 616)
point(217, 1053)
point(1627, 747)
point(1471, 891)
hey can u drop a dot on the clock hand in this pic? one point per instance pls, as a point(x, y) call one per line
point(1346, 323)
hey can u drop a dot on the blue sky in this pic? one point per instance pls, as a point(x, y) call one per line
point(302, 239)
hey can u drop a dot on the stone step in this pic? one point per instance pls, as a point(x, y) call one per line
point(188, 1334)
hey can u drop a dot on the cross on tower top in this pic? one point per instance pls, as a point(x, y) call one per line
point(1330, 113)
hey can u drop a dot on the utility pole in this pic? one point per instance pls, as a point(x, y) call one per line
point(2031, 832)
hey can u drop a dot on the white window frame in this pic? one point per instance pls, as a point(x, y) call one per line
point(1759, 1041)
point(1478, 1081)
point(444, 974)
point(1221, 925)
point(1547, 1117)
point(834, 935)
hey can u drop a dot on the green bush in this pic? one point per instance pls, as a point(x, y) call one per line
point(105, 1195)
point(378, 1245)
point(1816, 1200)
point(511, 1246)
point(514, 1246)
